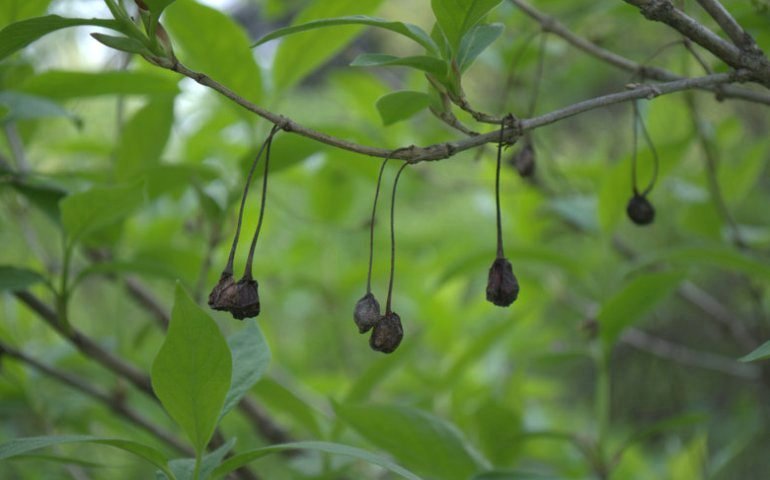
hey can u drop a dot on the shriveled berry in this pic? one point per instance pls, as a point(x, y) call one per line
point(387, 333)
point(524, 161)
point(223, 295)
point(246, 304)
point(366, 313)
point(640, 210)
point(502, 286)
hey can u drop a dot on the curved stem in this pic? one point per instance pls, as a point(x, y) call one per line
point(371, 226)
point(249, 260)
point(393, 238)
point(500, 253)
point(634, 146)
point(655, 159)
point(231, 258)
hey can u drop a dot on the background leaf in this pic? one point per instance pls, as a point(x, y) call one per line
point(15, 278)
point(425, 63)
point(143, 139)
point(457, 17)
point(191, 373)
point(65, 85)
point(424, 443)
point(251, 357)
point(85, 212)
point(761, 353)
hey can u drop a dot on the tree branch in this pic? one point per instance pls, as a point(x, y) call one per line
point(440, 151)
point(728, 24)
point(551, 25)
point(664, 11)
point(114, 403)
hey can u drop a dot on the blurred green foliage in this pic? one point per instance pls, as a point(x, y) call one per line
point(619, 359)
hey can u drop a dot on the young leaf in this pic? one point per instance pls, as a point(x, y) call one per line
point(401, 105)
point(124, 44)
point(476, 41)
point(638, 297)
point(424, 443)
point(157, 6)
point(85, 212)
point(18, 35)
point(425, 63)
point(21, 446)
point(14, 278)
point(245, 458)
point(191, 373)
point(64, 85)
point(761, 353)
point(251, 356)
point(457, 17)
point(408, 30)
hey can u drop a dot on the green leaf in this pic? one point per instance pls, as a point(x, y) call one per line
point(191, 373)
point(43, 196)
point(401, 105)
point(64, 85)
point(245, 458)
point(422, 442)
point(511, 475)
point(408, 30)
point(668, 424)
point(212, 42)
point(143, 139)
point(299, 55)
point(718, 256)
point(124, 44)
point(251, 356)
point(85, 212)
point(458, 17)
point(279, 398)
point(18, 35)
point(431, 65)
point(184, 468)
point(21, 446)
point(21, 106)
point(637, 298)
point(761, 353)
point(157, 6)
point(476, 41)
point(15, 10)
point(14, 278)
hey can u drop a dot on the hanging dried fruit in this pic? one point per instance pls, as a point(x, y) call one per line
point(639, 208)
point(502, 285)
point(241, 298)
point(388, 332)
point(367, 310)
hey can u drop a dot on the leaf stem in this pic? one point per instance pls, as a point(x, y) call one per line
point(250, 259)
point(393, 238)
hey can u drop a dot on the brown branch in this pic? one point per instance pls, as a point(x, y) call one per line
point(728, 23)
point(439, 151)
point(687, 356)
point(113, 402)
point(664, 11)
point(551, 25)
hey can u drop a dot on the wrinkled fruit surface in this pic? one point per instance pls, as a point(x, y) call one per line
point(524, 161)
point(502, 286)
point(366, 313)
point(246, 303)
point(222, 296)
point(387, 333)
point(640, 210)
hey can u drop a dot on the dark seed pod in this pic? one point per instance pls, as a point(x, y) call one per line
point(246, 304)
point(640, 210)
point(524, 161)
point(223, 295)
point(366, 313)
point(387, 333)
point(502, 286)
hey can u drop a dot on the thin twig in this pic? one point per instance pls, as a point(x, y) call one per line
point(654, 73)
point(729, 25)
point(414, 154)
point(114, 403)
point(688, 356)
